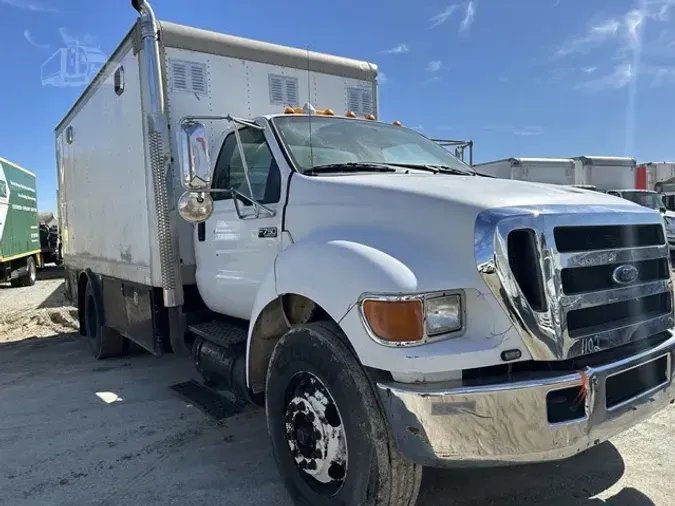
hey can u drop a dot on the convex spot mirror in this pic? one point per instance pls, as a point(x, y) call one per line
point(195, 160)
point(195, 207)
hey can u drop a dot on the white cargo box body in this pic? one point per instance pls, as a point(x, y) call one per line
point(538, 170)
point(607, 172)
point(104, 173)
point(650, 173)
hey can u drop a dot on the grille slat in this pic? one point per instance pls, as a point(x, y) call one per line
point(589, 279)
point(586, 321)
point(589, 238)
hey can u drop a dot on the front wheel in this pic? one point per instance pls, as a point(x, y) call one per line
point(329, 437)
point(26, 275)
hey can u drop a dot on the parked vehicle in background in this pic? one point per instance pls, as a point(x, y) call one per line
point(20, 252)
point(606, 172)
point(539, 170)
point(390, 307)
point(652, 175)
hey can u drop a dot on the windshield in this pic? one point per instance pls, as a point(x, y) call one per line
point(651, 200)
point(341, 140)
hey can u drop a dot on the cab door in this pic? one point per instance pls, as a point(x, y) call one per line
point(233, 253)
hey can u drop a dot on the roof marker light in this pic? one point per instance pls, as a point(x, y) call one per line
point(350, 114)
point(397, 123)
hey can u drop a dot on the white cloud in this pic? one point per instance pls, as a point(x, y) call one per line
point(589, 70)
point(434, 66)
point(469, 16)
point(419, 128)
point(443, 16)
point(620, 76)
point(434, 79)
point(528, 131)
point(382, 78)
point(398, 49)
point(29, 5)
point(523, 131)
point(29, 37)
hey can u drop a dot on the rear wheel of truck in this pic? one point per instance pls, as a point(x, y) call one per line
point(329, 436)
point(26, 275)
point(104, 342)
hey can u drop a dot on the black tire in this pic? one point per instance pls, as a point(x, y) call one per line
point(104, 342)
point(26, 275)
point(374, 473)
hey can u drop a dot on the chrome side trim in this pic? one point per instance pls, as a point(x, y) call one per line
point(545, 333)
point(450, 425)
point(604, 257)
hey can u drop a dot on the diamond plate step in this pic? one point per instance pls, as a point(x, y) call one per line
point(219, 332)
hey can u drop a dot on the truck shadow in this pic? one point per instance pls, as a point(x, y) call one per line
point(570, 482)
point(51, 272)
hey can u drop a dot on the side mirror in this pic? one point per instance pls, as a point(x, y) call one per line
point(195, 207)
point(195, 161)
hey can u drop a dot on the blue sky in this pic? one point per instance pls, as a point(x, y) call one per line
point(519, 77)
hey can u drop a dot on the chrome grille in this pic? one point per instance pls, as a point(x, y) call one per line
point(576, 253)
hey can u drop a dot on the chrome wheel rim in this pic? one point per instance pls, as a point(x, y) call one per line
point(315, 434)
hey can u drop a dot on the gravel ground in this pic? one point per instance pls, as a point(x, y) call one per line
point(76, 431)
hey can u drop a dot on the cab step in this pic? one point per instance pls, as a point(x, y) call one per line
point(219, 332)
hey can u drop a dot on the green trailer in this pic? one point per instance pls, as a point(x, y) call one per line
point(20, 252)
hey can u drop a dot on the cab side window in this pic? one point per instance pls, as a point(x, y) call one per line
point(3, 190)
point(262, 167)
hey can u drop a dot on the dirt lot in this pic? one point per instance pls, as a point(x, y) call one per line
point(75, 431)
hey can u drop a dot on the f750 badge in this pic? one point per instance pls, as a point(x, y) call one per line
point(267, 232)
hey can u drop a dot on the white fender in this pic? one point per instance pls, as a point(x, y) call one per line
point(333, 267)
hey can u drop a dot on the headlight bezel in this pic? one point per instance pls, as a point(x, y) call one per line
point(422, 298)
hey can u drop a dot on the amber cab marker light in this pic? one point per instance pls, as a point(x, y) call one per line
point(395, 321)
point(370, 117)
point(397, 123)
point(289, 110)
point(350, 114)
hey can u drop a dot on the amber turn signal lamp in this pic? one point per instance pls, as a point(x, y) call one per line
point(395, 321)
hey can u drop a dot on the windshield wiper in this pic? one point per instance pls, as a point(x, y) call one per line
point(436, 169)
point(349, 167)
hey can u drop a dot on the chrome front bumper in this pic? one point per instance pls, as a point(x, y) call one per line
point(508, 423)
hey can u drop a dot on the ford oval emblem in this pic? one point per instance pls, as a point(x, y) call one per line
point(625, 274)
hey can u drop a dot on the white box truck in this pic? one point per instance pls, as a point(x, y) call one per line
point(537, 170)
point(388, 306)
point(606, 172)
point(652, 175)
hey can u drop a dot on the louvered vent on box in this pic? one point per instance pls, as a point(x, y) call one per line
point(283, 90)
point(189, 76)
point(360, 100)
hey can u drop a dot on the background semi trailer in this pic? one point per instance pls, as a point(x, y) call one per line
point(20, 250)
point(386, 304)
point(536, 170)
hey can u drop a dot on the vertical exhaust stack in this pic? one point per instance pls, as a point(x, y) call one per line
point(158, 132)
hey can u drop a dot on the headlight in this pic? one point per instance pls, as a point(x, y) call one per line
point(412, 319)
point(443, 314)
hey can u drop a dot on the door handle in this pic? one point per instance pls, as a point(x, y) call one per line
point(201, 232)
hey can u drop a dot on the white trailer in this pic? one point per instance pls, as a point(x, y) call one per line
point(390, 307)
point(606, 172)
point(537, 170)
point(652, 175)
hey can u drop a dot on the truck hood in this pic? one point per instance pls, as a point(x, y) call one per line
point(470, 191)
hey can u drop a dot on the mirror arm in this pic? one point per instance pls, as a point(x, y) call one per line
point(244, 164)
point(257, 205)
